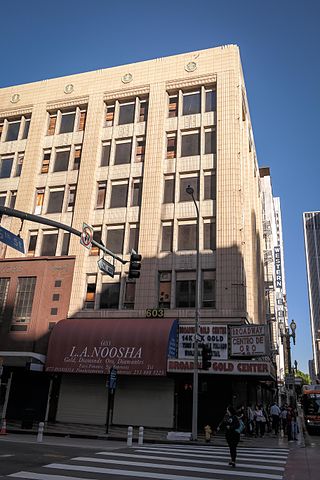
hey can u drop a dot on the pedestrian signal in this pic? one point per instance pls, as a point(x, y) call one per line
point(206, 356)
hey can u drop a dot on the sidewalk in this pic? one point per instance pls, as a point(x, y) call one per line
point(151, 435)
point(303, 464)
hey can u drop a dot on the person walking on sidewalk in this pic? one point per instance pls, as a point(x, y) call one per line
point(260, 421)
point(275, 416)
point(232, 424)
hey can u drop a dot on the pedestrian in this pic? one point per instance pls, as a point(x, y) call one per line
point(294, 424)
point(275, 416)
point(283, 419)
point(260, 420)
point(250, 421)
point(232, 424)
point(289, 424)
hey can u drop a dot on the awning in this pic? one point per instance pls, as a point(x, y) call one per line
point(133, 346)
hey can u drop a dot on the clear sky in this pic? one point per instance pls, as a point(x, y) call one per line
point(279, 42)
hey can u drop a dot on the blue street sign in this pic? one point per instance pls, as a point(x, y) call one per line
point(11, 239)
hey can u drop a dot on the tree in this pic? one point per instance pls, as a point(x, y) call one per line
point(305, 377)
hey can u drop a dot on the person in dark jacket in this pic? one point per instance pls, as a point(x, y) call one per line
point(232, 424)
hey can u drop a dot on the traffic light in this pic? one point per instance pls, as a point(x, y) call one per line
point(206, 356)
point(135, 265)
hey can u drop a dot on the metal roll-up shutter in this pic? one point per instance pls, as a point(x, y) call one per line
point(82, 399)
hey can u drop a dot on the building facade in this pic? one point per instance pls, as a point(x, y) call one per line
point(116, 149)
point(311, 224)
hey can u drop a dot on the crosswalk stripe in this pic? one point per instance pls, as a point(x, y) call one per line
point(213, 449)
point(90, 469)
point(184, 460)
point(41, 476)
point(218, 456)
point(221, 447)
point(222, 452)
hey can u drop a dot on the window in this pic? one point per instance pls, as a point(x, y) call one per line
point(24, 299)
point(126, 113)
point(187, 236)
point(13, 198)
point(65, 244)
point(190, 143)
point(55, 297)
point(90, 292)
point(82, 119)
point(39, 201)
point(129, 295)
point(210, 141)
point(164, 289)
point(101, 195)
point(33, 237)
point(61, 161)
point(208, 289)
point(185, 181)
point(210, 100)
point(55, 202)
point(46, 161)
point(109, 297)
point(52, 124)
point(3, 198)
point(109, 115)
point(54, 311)
point(77, 157)
point(97, 237)
point(209, 234)
point(140, 149)
point(4, 287)
point(119, 194)
point(71, 197)
point(105, 154)
point(168, 193)
point(13, 128)
point(57, 283)
point(67, 122)
point(171, 145)
point(1, 128)
point(173, 106)
point(133, 238)
point(49, 244)
point(26, 126)
point(185, 289)
point(209, 186)
point(123, 152)
point(143, 113)
point(6, 166)
point(167, 237)
point(191, 103)
point(19, 164)
point(136, 193)
point(115, 237)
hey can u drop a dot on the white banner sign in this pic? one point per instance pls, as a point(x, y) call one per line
point(214, 335)
point(248, 340)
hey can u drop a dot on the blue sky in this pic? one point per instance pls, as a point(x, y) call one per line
point(279, 42)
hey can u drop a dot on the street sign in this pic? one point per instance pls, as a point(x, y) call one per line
point(11, 239)
point(112, 378)
point(86, 235)
point(106, 267)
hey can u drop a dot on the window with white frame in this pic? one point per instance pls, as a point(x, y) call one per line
point(173, 105)
point(123, 151)
point(126, 112)
point(101, 195)
point(105, 154)
point(90, 295)
point(129, 294)
point(15, 128)
point(3, 198)
point(210, 141)
point(115, 238)
point(185, 289)
point(209, 180)
point(166, 236)
point(19, 164)
point(66, 120)
point(33, 237)
point(140, 149)
point(187, 235)
point(46, 160)
point(136, 192)
point(192, 180)
point(191, 102)
point(6, 162)
point(55, 202)
point(65, 243)
point(190, 143)
point(171, 144)
point(39, 201)
point(72, 191)
point(109, 116)
point(110, 292)
point(169, 189)
point(97, 233)
point(143, 110)
point(24, 299)
point(13, 198)
point(61, 160)
point(133, 237)
point(208, 289)
point(164, 289)
point(119, 194)
point(209, 234)
point(49, 243)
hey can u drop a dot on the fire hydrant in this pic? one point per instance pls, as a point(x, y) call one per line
point(207, 433)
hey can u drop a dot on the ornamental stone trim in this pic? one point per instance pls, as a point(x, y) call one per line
point(184, 82)
point(116, 94)
point(75, 102)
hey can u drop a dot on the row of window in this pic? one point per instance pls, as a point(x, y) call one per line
point(181, 293)
point(8, 199)
point(11, 165)
point(15, 128)
point(22, 308)
point(184, 232)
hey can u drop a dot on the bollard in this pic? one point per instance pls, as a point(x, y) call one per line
point(3, 430)
point(129, 438)
point(40, 432)
point(140, 437)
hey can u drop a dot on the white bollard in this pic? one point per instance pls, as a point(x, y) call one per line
point(40, 432)
point(129, 438)
point(140, 437)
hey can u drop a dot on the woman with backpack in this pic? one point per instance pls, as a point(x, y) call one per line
point(233, 427)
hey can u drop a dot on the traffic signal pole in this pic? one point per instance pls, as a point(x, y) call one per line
point(52, 223)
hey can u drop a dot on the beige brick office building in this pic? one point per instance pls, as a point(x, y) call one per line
point(116, 149)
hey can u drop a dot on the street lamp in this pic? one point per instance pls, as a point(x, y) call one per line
point(190, 191)
point(285, 334)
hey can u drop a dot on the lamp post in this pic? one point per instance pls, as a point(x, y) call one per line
point(190, 191)
point(285, 334)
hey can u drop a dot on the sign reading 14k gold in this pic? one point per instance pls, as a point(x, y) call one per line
point(214, 335)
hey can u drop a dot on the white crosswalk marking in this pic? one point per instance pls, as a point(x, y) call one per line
point(167, 462)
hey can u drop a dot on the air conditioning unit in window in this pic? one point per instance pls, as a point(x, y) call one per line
point(165, 276)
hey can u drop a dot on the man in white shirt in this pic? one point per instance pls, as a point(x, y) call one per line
point(275, 415)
